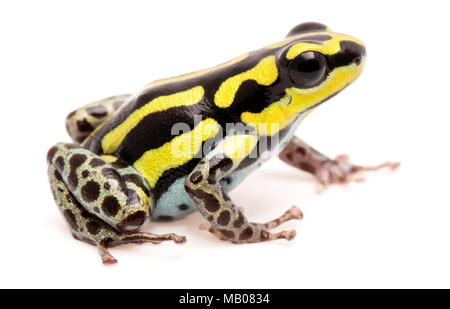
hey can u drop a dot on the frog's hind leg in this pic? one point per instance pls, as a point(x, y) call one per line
point(82, 122)
point(105, 204)
point(327, 171)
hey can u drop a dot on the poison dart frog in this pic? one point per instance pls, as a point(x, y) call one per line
point(182, 143)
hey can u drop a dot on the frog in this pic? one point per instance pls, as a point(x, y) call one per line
point(181, 144)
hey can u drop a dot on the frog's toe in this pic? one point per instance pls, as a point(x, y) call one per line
point(107, 258)
point(341, 171)
point(136, 238)
point(292, 213)
point(140, 238)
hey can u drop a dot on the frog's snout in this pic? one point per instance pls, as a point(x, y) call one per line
point(359, 54)
point(354, 52)
point(350, 53)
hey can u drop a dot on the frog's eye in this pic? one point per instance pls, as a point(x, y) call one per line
point(308, 69)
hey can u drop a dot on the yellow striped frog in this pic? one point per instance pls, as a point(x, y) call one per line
point(182, 143)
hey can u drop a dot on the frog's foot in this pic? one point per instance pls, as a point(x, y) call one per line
point(138, 238)
point(341, 171)
point(113, 238)
point(327, 171)
point(264, 228)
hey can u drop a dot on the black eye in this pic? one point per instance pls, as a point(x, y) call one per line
point(308, 69)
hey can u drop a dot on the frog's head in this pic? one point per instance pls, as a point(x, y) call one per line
point(317, 63)
point(313, 64)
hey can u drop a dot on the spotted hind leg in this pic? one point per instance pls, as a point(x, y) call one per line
point(82, 122)
point(105, 203)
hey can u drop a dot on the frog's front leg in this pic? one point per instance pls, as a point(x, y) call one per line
point(227, 221)
point(327, 171)
point(104, 201)
point(82, 122)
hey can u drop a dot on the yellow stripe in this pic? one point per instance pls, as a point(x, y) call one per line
point(109, 158)
point(330, 48)
point(198, 73)
point(237, 147)
point(180, 150)
point(280, 114)
point(112, 140)
point(264, 73)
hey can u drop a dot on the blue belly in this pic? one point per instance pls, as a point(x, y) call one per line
point(175, 203)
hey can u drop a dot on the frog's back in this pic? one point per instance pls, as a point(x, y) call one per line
point(148, 120)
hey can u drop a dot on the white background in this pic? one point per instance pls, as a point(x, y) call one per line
point(390, 232)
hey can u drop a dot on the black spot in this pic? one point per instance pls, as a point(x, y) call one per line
point(165, 218)
point(196, 177)
point(224, 218)
point(307, 167)
point(84, 126)
point(93, 227)
point(183, 207)
point(135, 220)
point(300, 150)
point(75, 161)
point(96, 209)
point(68, 214)
point(98, 111)
point(118, 164)
point(51, 153)
point(110, 206)
point(85, 174)
point(90, 191)
point(96, 162)
point(227, 180)
point(246, 233)
point(107, 186)
point(58, 176)
point(59, 163)
point(210, 201)
point(228, 234)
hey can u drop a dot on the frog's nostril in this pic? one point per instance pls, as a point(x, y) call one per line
point(357, 60)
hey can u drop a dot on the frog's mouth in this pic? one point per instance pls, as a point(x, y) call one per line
point(321, 102)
